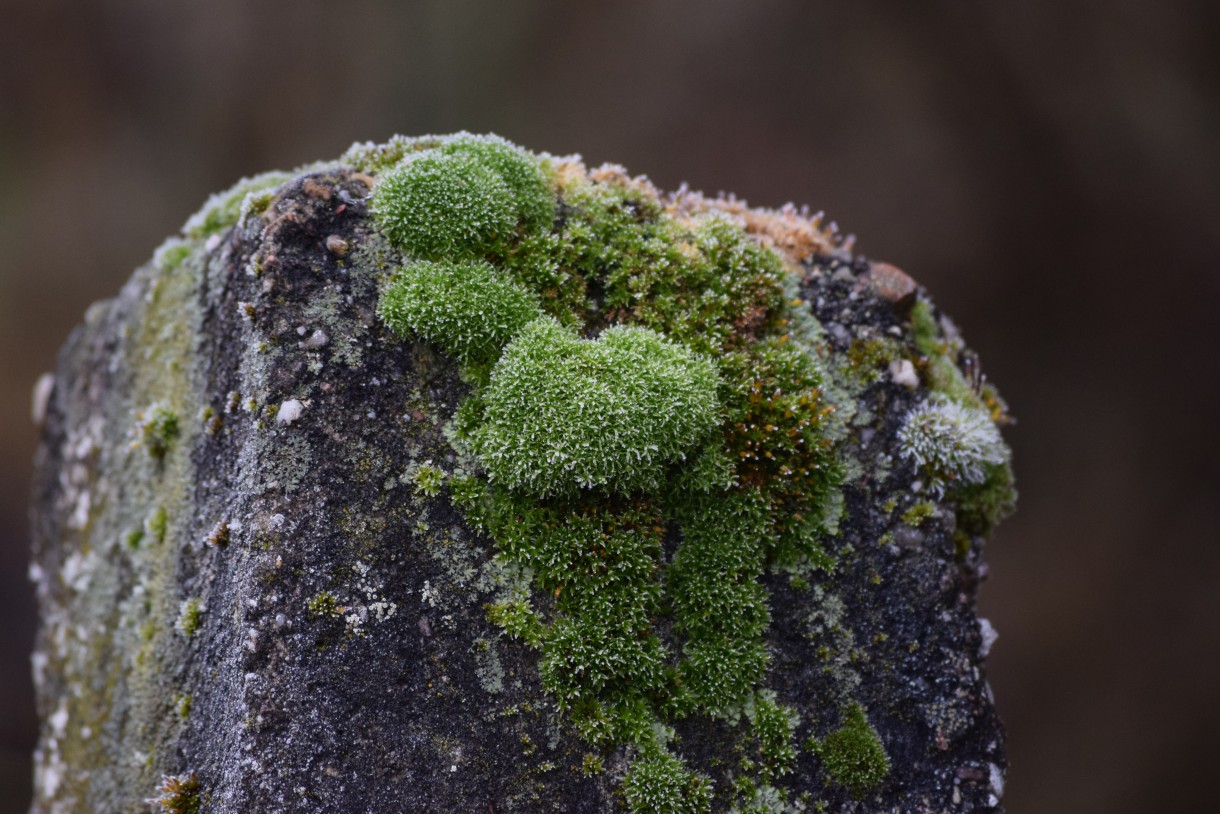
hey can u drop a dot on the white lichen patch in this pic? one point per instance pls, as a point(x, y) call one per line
point(376, 607)
point(289, 411)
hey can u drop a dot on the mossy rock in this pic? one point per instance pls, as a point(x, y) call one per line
point(450, 476)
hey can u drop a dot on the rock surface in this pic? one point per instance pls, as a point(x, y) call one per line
point(254, 598)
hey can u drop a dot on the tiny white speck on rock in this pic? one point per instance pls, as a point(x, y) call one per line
point(989, 635)
point(289, 411)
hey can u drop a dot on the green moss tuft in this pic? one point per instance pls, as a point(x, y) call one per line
point(521, 172)
point(323, 605)
point(773, 727)
point(437, 206)
point(853, 755)
point(190, 617)
point(428, 479)
point(156, 428)
point(224, 209)
point(178, 794)
point(565, 413)
point(660, 783)
point(467, 308)
point(918, 513)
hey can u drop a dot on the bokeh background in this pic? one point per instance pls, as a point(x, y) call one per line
point(1051, 171)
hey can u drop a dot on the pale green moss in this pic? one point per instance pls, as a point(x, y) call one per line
point(951, 444)
point(224, 209)
point(467, 308)
point(445, 206)
point(565, 413)
point(661, 784)
point(156, 429)
point(190, 617)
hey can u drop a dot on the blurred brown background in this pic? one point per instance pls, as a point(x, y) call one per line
point(1051, 171)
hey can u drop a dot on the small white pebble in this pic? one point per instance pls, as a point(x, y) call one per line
point(453, 768)
point(41, 397)
point(301, 329)
point(317, 339)
point(903, 373)
point(289, 411)
point(989, 636)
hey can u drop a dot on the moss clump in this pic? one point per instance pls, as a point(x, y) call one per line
point(157, 427)
point(462, 201)
point(522, 173)
point(853, 754)
point(918, 513)
point(190, 617)
point(178, 794)
point(661, 784)
point(564, 413)
point(773, 727)
point(466, 308)
point(952, 444)
point(428, 479)
point(323, 605)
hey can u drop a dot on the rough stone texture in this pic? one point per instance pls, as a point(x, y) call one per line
point(343, 661)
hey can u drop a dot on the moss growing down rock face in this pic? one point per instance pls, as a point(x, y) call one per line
point(853, 754)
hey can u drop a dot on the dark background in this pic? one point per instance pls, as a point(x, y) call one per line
point(1051, 171)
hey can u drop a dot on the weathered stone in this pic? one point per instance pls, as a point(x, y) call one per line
point(271, 608)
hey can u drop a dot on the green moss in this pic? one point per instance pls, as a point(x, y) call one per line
point(918, 513)
point(157, 428)
point(156, 525)
point(468, 309)
point(660, 783)
point(603, 427)
point(853, 755)
point(323, 605)
point(868, 359)
point(565, 413)
point(773, 727)
point(178, 794)
point(522, 173)
point(190, 617)
point(592, 765)
point(981, 506)
point(183, 702)
point(428, 479)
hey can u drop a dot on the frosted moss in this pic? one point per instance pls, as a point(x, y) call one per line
point(467, 308)
point(952, 444)
point(564, 413)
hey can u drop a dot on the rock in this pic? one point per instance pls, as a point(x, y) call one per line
point(891, 283)
point(311, 596)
